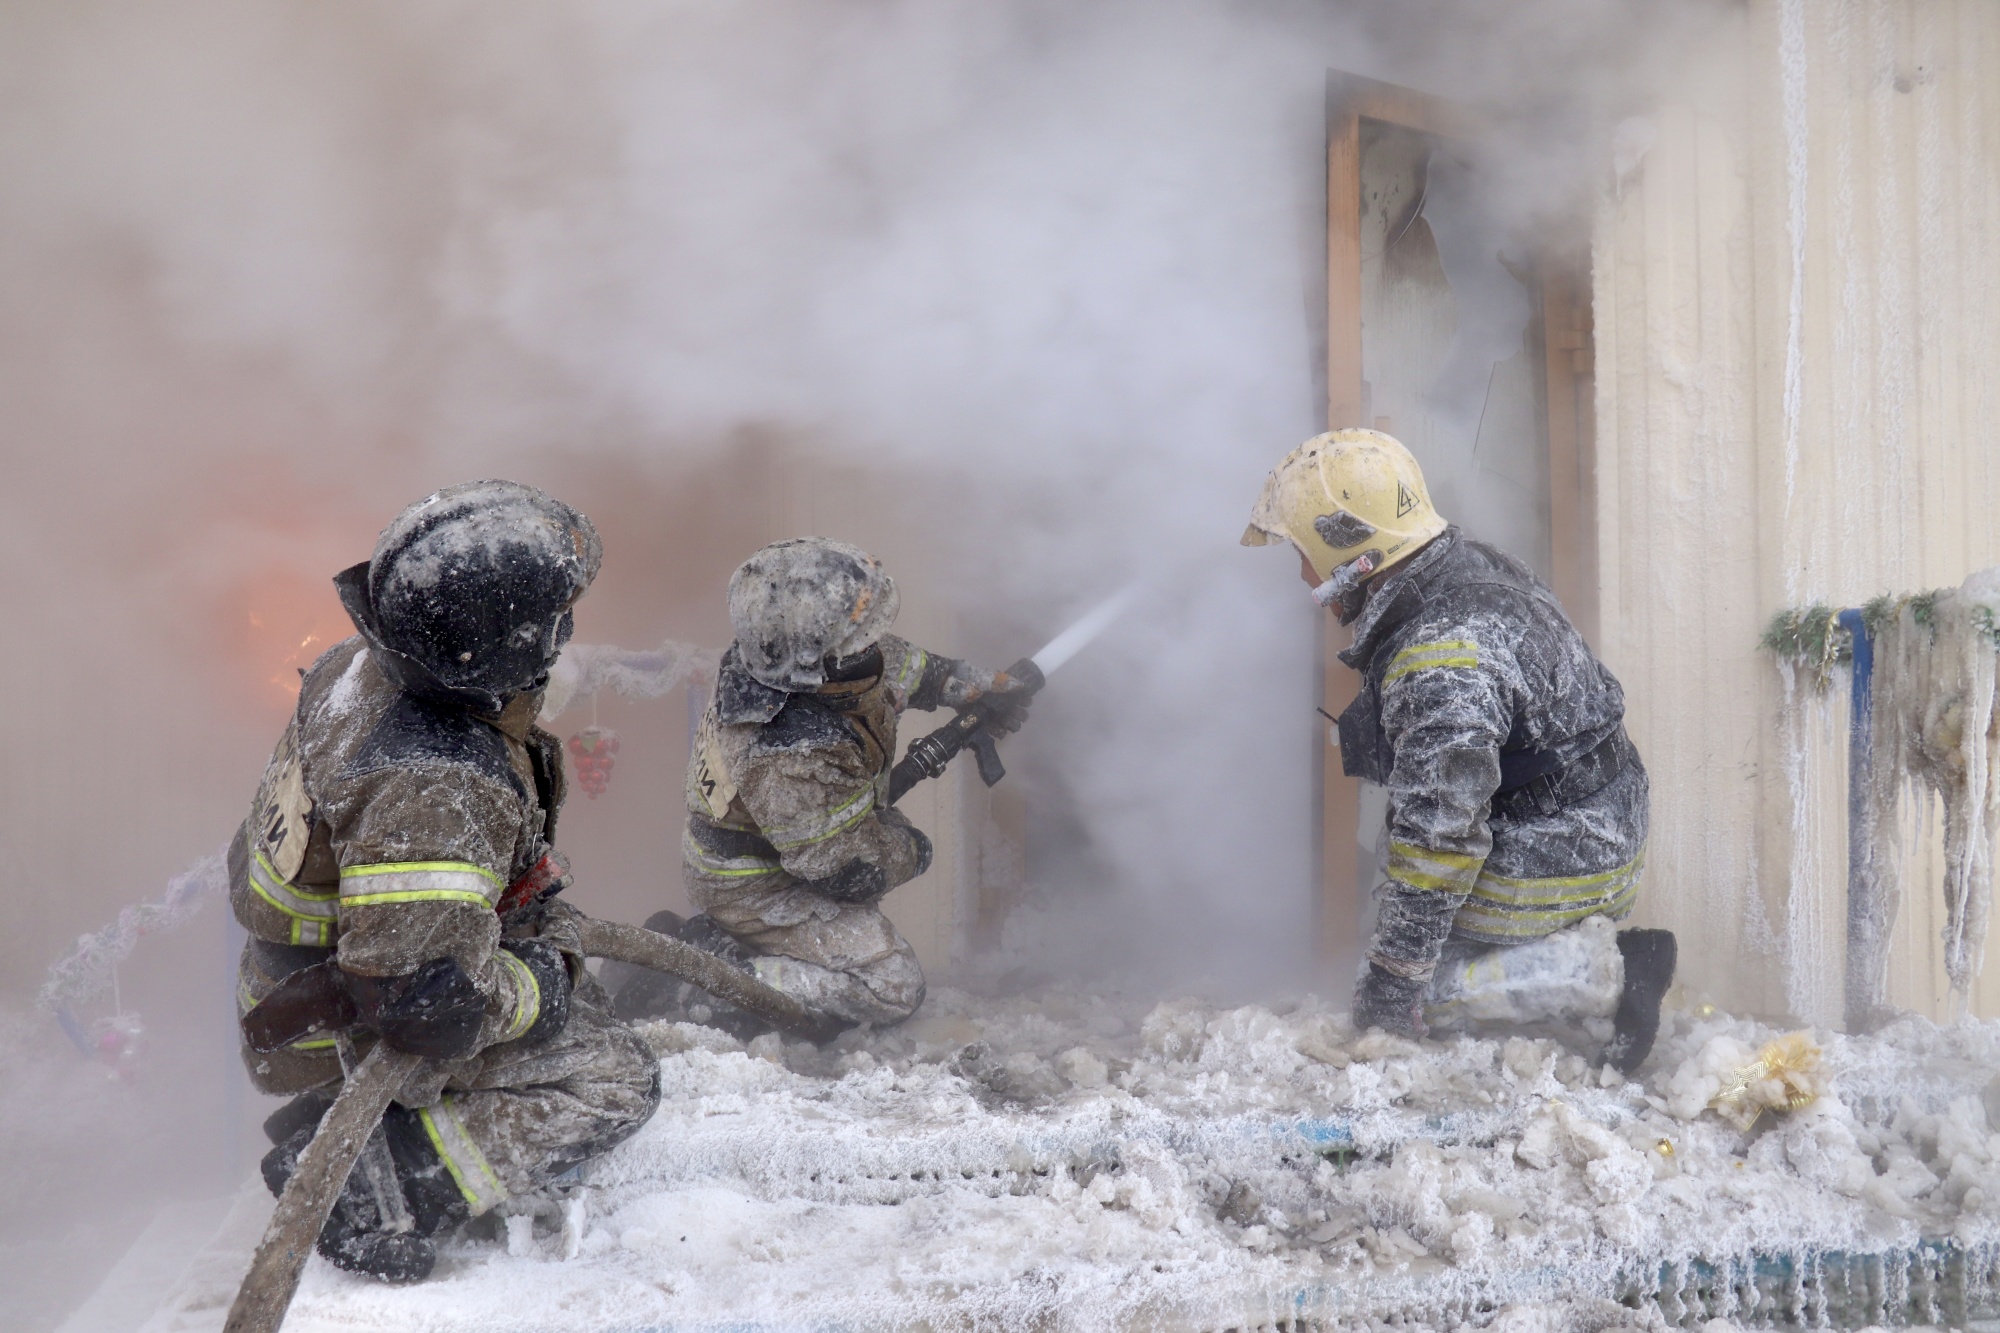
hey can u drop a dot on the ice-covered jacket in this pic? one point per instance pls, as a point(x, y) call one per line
point(792, 789)
point(1517, 805)
point(386, 828)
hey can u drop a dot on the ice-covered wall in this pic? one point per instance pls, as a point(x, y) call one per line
point(1798, 334)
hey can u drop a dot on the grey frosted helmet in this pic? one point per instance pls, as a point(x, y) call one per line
point(469, 591)
point(796, 603)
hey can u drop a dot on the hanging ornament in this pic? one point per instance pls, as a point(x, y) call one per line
point(591, 754)
point(118, 1042)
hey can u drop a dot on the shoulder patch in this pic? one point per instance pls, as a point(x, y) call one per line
point(804, 723)
point(712, 778)
point(414, 731)
point(283, 813)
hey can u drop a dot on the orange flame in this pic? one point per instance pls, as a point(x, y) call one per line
point(287, 621)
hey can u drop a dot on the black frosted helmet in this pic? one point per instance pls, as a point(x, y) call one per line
point(797, 603)
point(468, 594)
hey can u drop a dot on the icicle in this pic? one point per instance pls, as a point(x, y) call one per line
point(1934, 717)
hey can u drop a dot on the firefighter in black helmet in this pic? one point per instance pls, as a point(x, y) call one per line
point(402, 834)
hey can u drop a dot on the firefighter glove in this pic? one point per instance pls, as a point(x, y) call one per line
point(1392, 1003)
point(434, 1011)
point(544, 963)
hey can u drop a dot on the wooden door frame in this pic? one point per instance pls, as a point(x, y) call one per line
point(1562, 282)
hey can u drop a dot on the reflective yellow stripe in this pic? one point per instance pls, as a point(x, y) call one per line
point(1424, 868)
point(1505, 908)
point(912, 673)
point(286, 896)
point(461, 1156)
point(1438, 653)
point(528, 996)
point(1434, 647)
point(731, 867)
point(1457, 860)
point(849, 813)
point(418, 881)
point(1527, 891)
point(311, 914)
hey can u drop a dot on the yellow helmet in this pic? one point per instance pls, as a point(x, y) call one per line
point(1344, 497)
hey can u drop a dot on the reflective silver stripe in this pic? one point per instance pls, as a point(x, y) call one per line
point(839, 820)
point(418, 881)
point(527, 996)
point(912, 674)
point(461, 1156)
point(1429, 868)
point(287, 897)
point(727, 867)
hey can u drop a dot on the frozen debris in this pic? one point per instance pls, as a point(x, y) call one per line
point(1740, 1082)
point(1935, 667)
point(1081, 1068)
point(971, 1169)
point(666, 1038)
point(1321, 1041)
point(1783, 1077)
point(1934, 736)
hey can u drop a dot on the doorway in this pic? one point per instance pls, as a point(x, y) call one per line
point(1471, 345)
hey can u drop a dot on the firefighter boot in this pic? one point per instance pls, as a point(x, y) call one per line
point(1649, 956)
point(644, 993)
point(356, 1236)
point(302, 1112)
point(704, 932)
point(647, 994)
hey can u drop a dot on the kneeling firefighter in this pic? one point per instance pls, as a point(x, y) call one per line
point(399, 848)
point(791, 843)
point(1517, 804)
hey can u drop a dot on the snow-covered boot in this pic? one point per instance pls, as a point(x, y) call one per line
point(704, 932)
point(356, 1236)
point(645, 993)
point(1650, 956)
point(302, 1112)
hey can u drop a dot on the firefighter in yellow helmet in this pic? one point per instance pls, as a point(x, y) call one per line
point(1517, 805)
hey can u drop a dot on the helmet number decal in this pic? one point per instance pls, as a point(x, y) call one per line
point(1406, 499)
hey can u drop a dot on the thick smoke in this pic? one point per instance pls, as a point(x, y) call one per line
point(1043, 276)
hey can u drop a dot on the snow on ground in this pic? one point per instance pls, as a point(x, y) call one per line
point(1072, 1162)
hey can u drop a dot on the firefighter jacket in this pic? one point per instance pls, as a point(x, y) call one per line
point(791, 790)
point(1517, 805)
point(385, 830)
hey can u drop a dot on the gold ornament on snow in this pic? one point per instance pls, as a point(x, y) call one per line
point(1785, 1076)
